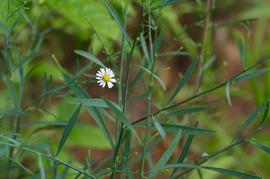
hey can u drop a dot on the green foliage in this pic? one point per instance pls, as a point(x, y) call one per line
point(56, 122)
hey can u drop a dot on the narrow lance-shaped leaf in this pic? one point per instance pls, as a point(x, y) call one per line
point(116, 18)
point(90, 57)
point(215, 169)
point(250, 119)
point(185, 129)
point(184, 79)
point(68, 129)
point(159, 128)
point(261, 146)
point(252, 74)
point(265, 114)
point(166, 156)
point(144, 47)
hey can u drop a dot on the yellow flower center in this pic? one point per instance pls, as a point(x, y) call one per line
point(106, 78)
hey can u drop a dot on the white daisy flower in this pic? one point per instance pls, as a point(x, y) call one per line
point(105, 76)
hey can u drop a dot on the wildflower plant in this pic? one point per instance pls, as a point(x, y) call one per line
point(134, 76)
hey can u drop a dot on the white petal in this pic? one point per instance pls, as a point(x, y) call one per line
point(99, 74)
point(112, 75)
point(98, 78)
point(103, 85)
point(100, 83)
point(108, 70)
point(102, 70)
point(110, 85)
point(112, 80)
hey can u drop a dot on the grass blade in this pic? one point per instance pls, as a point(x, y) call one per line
point(166, 155)
point(184, 79)
point(68, 128)
point(89, 57)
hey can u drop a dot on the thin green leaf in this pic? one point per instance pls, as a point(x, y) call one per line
point(185, 129)
point(228, 94)
point(159, 128)
point(68, 128)
point(242, 51)
point(262, 147)
point(90, 57)
point(116, 18)
point(184, 79)
point(187, 110)
point(92, 102)
point(252, 74)
point(166, 156)
point(250, 119)
point(215, 169)
point(41, 167)
point(232, 173)
point(144, 47)
point(265, 114)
